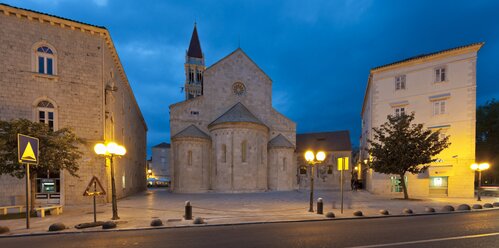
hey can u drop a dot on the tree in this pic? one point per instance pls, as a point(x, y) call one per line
point(399, 146)
point(487, 138)
point(58, 150)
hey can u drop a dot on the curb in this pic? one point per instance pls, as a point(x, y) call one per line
point(245, 223)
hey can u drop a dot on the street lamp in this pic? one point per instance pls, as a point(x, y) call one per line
point(109, 151)
point(479, 168)
point(313, 159)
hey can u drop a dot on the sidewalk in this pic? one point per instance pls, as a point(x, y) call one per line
point(218, 208)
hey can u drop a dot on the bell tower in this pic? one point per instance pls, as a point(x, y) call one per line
point(194, 67)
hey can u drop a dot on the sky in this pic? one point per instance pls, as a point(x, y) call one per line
point(318, 53)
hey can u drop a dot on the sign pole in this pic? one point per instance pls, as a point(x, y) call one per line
point(341, 186)
point(27, 195)
point(95, 208)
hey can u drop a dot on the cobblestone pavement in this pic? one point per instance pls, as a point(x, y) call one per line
point(223, 208)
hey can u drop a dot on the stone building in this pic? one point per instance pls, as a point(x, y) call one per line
point(67, 73)
point(226, 136)
point(160, 166)
point(440, 88)
point(326, 175)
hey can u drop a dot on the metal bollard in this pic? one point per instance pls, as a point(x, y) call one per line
point(188, 210)
point(320, 206)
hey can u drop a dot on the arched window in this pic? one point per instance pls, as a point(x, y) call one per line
point(243, 151)
point(46, 113)
point(45, 60)
point(224, 153)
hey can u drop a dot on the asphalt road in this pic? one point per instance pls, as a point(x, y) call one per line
point(476, 229)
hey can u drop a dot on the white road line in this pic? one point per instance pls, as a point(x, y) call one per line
point(429, 240)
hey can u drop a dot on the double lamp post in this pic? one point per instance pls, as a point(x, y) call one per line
point(111, 150)
point(313, 159)
point(479, 168)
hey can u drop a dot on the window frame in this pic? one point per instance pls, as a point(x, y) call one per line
point(50, 107)
point(400, 82)
point(439, 107)
point(437, 74)
point(37, 55)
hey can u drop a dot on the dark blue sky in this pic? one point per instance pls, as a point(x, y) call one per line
point(318, 53)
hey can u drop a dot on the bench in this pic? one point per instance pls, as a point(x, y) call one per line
point(5, 209)
point(40, 211)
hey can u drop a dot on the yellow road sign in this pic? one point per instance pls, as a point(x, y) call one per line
point(27, 149)
point(343, 163)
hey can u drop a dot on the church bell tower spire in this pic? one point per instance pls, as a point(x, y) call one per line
point(194, 67)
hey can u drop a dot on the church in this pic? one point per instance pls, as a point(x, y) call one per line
point(226, 136)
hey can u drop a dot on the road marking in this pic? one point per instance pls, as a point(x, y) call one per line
point(430, 240)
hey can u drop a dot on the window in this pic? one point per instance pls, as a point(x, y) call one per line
point(123, 181)
point(439, 108)
point(440, 75)
point(194, 112)
point(400, 82)
point(303, 170)
point(191, 75)
point(189, 158)
point(243, 151)
point(45, 113)
point(396, 184)
point(400, 111)
point(45, 60)
point(224, 153)
point(284, 164)
point(329, 169)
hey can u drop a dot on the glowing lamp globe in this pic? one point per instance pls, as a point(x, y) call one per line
point(321, 156)
point(120, 151)
point(309, 156)
point(100, 149)
point(112, 148)
point(483, 166)
point(474, 166)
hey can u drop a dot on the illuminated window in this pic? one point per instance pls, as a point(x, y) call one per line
point(123, 181)
point(439, 108)
point(440, 75)
point(45, 60)
point(400, 82)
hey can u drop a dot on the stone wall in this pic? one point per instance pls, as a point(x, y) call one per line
point(84, 64)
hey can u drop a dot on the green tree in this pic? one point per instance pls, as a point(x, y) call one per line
point(487, 138)
point(58, 150)
point(399, 146)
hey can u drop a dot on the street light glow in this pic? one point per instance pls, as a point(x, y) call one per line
point(483, 166)
point(474, 166)
point(321, 156)
point(100, 149)
point(309, 156)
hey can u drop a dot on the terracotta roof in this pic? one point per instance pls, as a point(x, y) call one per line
point(327, 141)
point(162, 145)
point(238, 113)
point(191, 132)
point(280, 141)
point(421, 56)
point(195, 45)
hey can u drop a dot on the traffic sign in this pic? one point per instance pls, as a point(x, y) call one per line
point(94, 182)
point(343, 163)
point(27, 149)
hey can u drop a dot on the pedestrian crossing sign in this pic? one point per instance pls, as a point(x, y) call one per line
point(27, 149)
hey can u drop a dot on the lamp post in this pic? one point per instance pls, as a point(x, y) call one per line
point(313, 159)
point(479, 168)
point(110, 151)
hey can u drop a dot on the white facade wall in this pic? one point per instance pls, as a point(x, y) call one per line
point(421, 92)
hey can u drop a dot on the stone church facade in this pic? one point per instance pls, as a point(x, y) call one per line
point(65, 73)
point(226, 136)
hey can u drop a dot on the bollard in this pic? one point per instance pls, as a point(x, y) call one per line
point(188, 210)
point(319, 206)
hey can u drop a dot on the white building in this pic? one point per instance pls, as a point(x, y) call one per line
point(440, 88)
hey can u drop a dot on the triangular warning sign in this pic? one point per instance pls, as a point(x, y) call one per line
point(28, 153)
point(94, 188)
